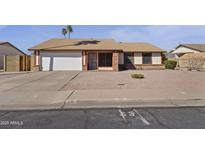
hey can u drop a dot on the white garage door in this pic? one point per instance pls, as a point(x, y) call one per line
point(61, 61)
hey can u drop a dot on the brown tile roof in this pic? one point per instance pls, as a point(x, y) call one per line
point(198, 47)
point(7, 48)
point(77, 44)
point(2, 43)
point(141, 47)
point(94, 44)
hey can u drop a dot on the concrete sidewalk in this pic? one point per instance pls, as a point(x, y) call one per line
point(130, 98)
point(52, 100)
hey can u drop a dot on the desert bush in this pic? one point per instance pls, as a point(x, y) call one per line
point(195, 63)
point(170, 64)
point(137, 76)
point(192, 61)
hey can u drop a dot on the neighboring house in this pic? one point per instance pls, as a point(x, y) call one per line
point(95, 54)
point(182, 49)
point(7, 49)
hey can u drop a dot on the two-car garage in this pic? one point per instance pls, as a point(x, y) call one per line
point(59, 61)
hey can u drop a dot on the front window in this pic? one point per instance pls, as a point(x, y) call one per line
point(105, 59)
point(147, 58)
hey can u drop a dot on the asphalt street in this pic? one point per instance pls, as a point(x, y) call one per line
point(130, 118)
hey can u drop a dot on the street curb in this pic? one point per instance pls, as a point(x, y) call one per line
point(110, 104)
point(157, 103)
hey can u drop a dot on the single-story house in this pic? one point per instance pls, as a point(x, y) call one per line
point(7, 49)
point(182, 49)
point(95, 54)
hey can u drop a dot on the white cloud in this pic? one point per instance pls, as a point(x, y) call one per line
point(167, 37)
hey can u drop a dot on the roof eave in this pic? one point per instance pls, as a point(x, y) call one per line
point(31, 49)
point(14, 47)
point(182, 45)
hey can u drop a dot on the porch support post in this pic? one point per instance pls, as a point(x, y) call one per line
point(33, 64)
point(85, 60)
point(115, 62)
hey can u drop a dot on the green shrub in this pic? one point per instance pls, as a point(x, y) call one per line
point(170, 64)
point(137, 76)
point(164, 58)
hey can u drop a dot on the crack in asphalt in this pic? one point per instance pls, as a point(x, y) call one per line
point(199, 110)
point(158, 121)
point(2, 115)
point(86, 120)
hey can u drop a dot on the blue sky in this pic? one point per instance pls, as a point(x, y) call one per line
point(166, 37)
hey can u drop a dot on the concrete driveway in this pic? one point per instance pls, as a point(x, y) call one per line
point(37, 81)
point(36, 90)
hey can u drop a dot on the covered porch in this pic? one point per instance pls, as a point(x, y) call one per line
point(101, 60)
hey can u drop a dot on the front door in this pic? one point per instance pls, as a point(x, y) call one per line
point(92, 61)
point(129, 60)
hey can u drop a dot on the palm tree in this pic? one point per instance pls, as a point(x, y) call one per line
point(69, 30)
point(64, 32)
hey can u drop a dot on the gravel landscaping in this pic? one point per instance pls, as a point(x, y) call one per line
point(153, 79)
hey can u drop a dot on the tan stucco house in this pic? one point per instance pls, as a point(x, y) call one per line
point(95, 54)
point(182, 49)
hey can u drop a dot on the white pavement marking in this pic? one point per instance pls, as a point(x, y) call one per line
point(122, 114)
point(141, 117)
point(131, 113)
